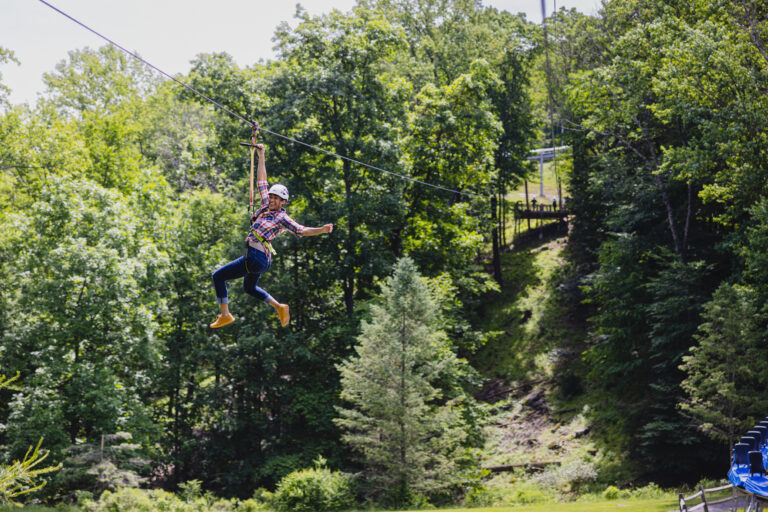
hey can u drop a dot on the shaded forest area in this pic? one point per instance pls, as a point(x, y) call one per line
point(121, 193)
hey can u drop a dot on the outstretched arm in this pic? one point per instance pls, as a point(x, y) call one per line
point(317, 231)
point(261, 170)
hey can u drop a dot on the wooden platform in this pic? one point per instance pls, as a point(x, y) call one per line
point(542, 211)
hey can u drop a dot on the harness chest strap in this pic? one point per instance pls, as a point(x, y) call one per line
point(264, 242)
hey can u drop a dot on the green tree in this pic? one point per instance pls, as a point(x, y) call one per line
point(22, 477)
point(108, 463)
point(35, 144)
point(243, 91)
point(102, 80)
point(452, 137)
point(333, 89)
point(725, 382)
point(103, 94)
point(648, 150)
point(408, 431)
point(6, 55)
point(80, 323)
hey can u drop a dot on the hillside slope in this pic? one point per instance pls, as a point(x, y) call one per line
point(538, 446)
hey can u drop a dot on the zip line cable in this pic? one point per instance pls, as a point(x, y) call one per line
point(252, 123)
point(550, 98)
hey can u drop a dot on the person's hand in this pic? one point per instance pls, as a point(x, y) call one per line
point(260, 150)
point(327, 228)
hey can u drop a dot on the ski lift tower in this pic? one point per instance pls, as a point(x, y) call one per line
point(545, 155)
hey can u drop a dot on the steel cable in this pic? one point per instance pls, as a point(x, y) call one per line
point(251, 123)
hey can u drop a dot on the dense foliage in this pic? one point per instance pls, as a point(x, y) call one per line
point(121, 193)
point(664, 108)
point(404, 389)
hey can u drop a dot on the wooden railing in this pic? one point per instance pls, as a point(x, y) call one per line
point(702, 494)
point(539, 211)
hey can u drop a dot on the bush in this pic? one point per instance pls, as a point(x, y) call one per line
point(252, 506)
point(482, 496)
point(313, 490)
point(134, 500)
point(611, 493)
point(528, 493)
point(568, 477)
point(650, 491)
point(156, 500)
point(103, 465)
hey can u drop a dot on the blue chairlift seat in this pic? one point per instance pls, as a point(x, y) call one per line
point(739, 471)
point(751, 440)
point(756, 482)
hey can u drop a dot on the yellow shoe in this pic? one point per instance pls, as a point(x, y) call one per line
point(283, 314)
point(222, 320)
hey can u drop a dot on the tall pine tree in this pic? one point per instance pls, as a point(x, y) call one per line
point(725, 383)
point(408, 431)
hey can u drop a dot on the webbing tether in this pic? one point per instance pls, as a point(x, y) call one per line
point(252, 144)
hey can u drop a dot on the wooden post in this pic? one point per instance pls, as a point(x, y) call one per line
point(504, 217)
point(703, 498)
point(101, 452)
point(527, 208)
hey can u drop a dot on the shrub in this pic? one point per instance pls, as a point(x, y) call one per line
point(528, 493)
point(611, 493)
point(252, 506)
point(482, 496)
point(650, 491)
point(647, 492)
point(156, 500)
point(133, 500)
point(568, 477)
point(83, 496)
point(106, 464)
point(316, 489)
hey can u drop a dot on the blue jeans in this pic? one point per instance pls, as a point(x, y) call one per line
point(250, 268)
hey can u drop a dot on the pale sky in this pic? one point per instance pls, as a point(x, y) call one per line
point(168, 33)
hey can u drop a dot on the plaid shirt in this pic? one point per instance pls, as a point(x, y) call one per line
point(268, 223)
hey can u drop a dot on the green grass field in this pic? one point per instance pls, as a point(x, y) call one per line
point(550, 182)
point(652, 505)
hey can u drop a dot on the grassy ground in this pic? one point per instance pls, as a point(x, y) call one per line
point(39, 508)
point(550, 182)
point(520, 315)
point(653, 505)
point(550, 192)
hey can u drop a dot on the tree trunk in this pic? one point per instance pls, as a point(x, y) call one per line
point(495, 236)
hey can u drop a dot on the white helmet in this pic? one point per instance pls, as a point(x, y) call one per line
point(279, 190)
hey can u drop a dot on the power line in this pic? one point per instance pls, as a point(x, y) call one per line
point(251, 123)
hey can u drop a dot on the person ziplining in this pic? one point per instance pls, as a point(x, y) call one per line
point(267, 222)
point(271, 219)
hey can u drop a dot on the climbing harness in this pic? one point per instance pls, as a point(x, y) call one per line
point(267, 245)
point(268, 249)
